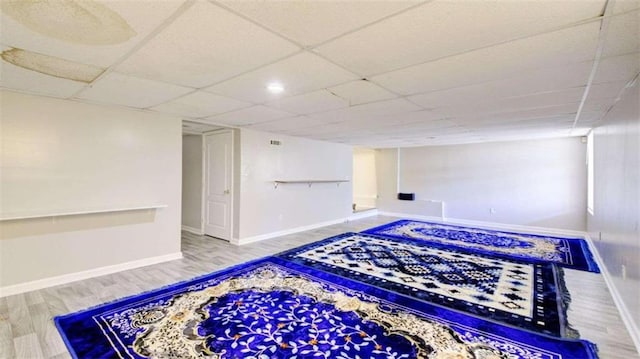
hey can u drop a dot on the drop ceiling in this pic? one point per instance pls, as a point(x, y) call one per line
point(365, 73)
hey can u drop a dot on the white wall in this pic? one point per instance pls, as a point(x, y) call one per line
point(364, 177)
point(85, 154)
point(535, 183)
point(192, 181)
point(265, 209)
point(616, 219)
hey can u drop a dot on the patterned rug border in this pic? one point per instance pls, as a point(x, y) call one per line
point(443, 315)
point(586, 262)
point(553, 283)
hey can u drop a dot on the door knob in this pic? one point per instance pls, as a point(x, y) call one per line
point(226, 191)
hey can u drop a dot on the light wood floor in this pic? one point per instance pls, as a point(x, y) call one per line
point(27, 329)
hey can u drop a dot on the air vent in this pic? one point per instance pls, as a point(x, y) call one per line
point(275, 142)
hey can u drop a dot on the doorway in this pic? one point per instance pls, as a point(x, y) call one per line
point(365, 192)
point(218, 184)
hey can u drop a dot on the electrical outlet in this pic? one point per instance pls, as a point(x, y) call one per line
point(492, 210)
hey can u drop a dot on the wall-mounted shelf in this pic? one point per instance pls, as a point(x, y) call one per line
point(30, 215)
point(308, 182)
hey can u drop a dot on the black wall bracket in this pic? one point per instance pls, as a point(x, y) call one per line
point(407, 196)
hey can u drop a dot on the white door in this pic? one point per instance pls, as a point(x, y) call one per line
point(218, 159)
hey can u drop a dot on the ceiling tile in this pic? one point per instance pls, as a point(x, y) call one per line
point(623, 35)
point(519, 103)
point(495, 97)
point(312, 22)
point(429, 135)
point(530, 83)
point(304, 72)
point(366, 111)
point(598, 104)
point(307, 131)
point(197, 51)
point(621, 6)
point(423, 118)
point(249, 116)
point(474, 70)
point(524, 133)
point(312, 132)
point(97, 33)
point(564, 112)
point(418, 128)
point(543, 99)
point(361, 91)
point(618, 68)
point(519, 134)
point(287, 125)
point(550, 121)
point(198, 127)
point(558, 48)
point(445, 28)
point(439, 140)
point(200, 104)
point(119, 89)
point(590, 117)
point(18, 78)
point(311, 102)
point(606, 89)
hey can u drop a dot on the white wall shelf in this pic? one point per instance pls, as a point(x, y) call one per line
point(308, 182)
point(31, 215)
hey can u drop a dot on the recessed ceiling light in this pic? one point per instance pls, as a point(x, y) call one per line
point(275, 87)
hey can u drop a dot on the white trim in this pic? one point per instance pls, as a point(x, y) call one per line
point(602, 36)
point(205, 179)
point(197, 231)
point(489, 225)
point(27, 215)
point(627, 318)
point(91, 273)
point(285, 232)
point(625, 314)
point(370, 213)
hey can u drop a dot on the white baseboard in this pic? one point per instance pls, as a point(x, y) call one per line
point(285, 232)
point(91, 273)
point(490, 225)
point(197, 231)
point(627, 318)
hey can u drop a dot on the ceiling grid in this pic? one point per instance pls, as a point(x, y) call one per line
point(374, 74)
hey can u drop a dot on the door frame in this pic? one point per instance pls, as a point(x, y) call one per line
point(203, 196)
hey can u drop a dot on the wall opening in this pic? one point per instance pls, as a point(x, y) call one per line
point(364, 179)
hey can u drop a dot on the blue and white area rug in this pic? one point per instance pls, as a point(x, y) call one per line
point(272, 308)
point(525, 295)
point(568, 252)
